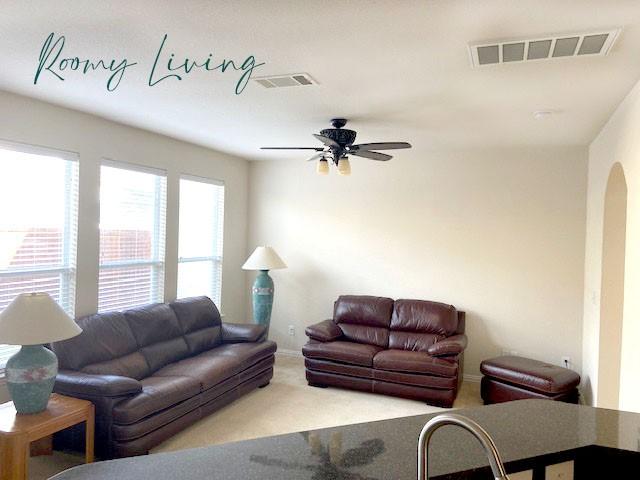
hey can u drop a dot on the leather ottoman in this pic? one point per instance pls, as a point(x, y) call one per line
point(509, 378)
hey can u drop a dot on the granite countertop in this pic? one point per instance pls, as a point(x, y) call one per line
point(386, 449)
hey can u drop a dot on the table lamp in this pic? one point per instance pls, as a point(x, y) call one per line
point(263, 259)
point(31, 320)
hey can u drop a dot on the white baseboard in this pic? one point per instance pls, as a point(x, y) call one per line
point(289, 353)
point(472, 378)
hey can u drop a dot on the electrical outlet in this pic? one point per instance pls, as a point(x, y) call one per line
point(292, 330)
point(508, 352)
point(559, 471)
point(566, 362)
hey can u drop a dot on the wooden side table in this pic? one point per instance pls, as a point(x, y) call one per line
point(18, 431)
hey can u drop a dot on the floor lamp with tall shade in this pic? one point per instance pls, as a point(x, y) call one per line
point(263, 259)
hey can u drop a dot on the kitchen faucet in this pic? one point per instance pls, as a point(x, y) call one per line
point(469, 425)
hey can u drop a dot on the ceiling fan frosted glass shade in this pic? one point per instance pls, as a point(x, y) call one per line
point(322, 168)
point(344, 167)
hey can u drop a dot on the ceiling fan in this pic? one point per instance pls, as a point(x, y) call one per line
point(338, 145)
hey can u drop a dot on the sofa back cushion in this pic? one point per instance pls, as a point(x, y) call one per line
point(106, 346)
point(158, 334)
point(199, 320)
point(418, 324)
point(364, 319)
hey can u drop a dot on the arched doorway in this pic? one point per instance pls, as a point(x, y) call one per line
point(612, 290)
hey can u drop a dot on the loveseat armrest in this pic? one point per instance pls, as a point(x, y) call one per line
point(326, 331)
point(69, 382)
point(243, 332)
point(448, 346)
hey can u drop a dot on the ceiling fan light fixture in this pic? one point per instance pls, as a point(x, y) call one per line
point(344, 167)
point(322, 167)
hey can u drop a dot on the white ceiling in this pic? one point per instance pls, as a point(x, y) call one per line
point(398, 69)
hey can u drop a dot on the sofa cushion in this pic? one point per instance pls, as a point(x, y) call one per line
point(414, 362)
point(200, 322)
point(364, 319)
point(106, 346)
point(214, 366)
point(158, 393)
point(133, 365)
point(158, 334)
point(345, 352)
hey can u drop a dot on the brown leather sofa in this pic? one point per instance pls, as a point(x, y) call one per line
point(154, 370)
point(407, 348)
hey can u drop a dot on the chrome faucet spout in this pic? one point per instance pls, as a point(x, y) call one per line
point(469, 425)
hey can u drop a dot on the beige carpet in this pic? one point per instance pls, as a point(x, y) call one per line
point(287, 405)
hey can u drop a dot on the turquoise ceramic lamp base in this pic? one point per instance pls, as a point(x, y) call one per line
point(262, 299)
point(31, 374)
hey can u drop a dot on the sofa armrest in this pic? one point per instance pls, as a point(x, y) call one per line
point(69, 382)
point(242, 332)
point(326, 331)
point(453, 345)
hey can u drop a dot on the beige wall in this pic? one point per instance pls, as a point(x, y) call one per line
point(612, 291)
point(498, 233)
point(33, 122)
point(617, 142)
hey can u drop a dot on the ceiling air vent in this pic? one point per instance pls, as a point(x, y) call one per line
point(293, 80)
point(542, 48)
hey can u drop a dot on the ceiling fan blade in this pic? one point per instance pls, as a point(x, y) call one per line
point(383, 157)
point(317, 149)
point(317, 156)
point(381, 146)
point(327, 141)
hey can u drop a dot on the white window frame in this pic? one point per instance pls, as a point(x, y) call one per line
point(214, 259)
point(68, 269)
point(158, 265)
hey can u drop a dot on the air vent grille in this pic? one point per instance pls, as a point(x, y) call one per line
point(542, 48)
point(293, 80)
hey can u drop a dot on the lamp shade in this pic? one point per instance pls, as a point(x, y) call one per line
point(34, 319)
point(264, 258)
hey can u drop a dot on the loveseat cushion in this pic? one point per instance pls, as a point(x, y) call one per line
point(158, 393)
point(340, 351)
point(200, 322)
point(214, 366)
point(363, 310)
point(418, 324)
point(158, 334)
point(364, 319)
point(414, 362)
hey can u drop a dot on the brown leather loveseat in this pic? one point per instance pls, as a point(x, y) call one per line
point(406, 348)
point(154, 370)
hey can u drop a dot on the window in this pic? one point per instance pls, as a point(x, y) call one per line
point(38, 226)
point(132, 233)
point(200, 238)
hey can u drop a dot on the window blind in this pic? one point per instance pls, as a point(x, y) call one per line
point(132, 237)
point(38, 226)
point(201, 228)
